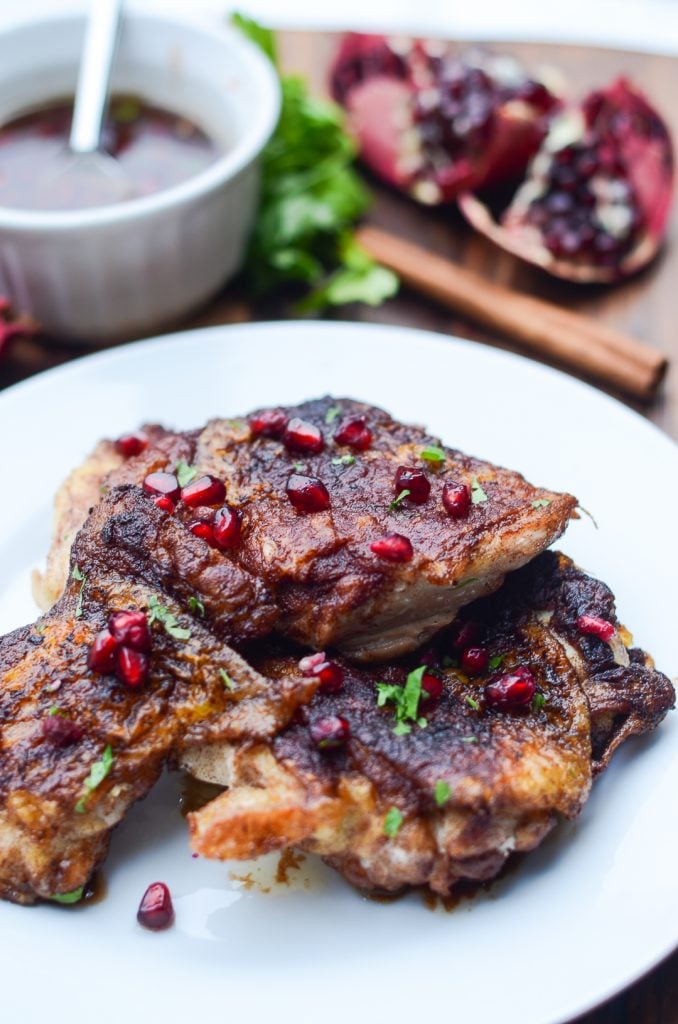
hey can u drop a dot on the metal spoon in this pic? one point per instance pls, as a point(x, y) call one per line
point(86, 173)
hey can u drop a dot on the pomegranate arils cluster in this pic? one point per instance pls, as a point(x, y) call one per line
point(307, 493)
point(414, 481)
point(131, 444)
point(227, 527)
point(355, 434)
point(595, 626)
point(431, 687)
point(155, 910)
point(122, 648)
point(474, 660)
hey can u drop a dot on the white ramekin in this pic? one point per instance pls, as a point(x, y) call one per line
point(127, 269)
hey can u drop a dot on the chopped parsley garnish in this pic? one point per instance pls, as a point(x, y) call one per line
point(77, 575)
point(432, 454)
point(298, 467)
point(97, 774)
point(68, 897)
point(344, 460)
point(441, 792)
point(159, 613)
point(226, 680)
point(538, 701)
point(236, 424)
point(422, 722)
point(401, 497)
point(478, 495)
point(392, 822)
point(332, 413)
point(541, 503)
point(496, 660)
point(469, 739)
point(196, 607)
point(472, 703)
point(406, 699)
point(55, 710)
point(185, 473)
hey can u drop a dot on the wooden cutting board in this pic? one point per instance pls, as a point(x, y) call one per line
point(646, 307)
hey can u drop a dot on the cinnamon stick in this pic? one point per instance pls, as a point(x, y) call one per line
point(574, 340)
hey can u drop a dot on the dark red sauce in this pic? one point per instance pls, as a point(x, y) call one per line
point(155, 148)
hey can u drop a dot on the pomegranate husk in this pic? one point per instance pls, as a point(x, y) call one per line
point(379, 80)
point(649, 164)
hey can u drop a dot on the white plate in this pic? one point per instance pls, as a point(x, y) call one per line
point(586, 914)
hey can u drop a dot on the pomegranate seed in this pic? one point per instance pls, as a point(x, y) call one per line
point(431, 687)
point(331, 732)
point(414, 481)
point(155, 910)
point(101, 657)
point(311, 662)
point(203, 530)
point(474, 660)
point(466, 634)
point(330, 674)
point(512, 689)
point(61, 731)
point(226, 529)
point(207, 490)
point(131, 444)
point(354, 433)
point(456, 500)
point(131, 667)
point(394, 548)
point(163, 483)
point(601, 628)
point(269, 423)
point(131, 630)
point(307, 493)
point(303, 437)
point(165, 504)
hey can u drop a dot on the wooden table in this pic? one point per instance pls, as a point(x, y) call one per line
point(646, 307)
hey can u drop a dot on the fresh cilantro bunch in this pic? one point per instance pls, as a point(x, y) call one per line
point(311, 197)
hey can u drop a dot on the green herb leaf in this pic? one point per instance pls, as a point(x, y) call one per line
point(406, 699)
point(344, 460)
point(396, 501)
point(196, 607)
point(261, 37)
point(77, 575)
point(298, 467)
point(332, 413)
point(538, 701)
point(496, 660)
point(469, 739)
point(393, 822)
point(310, 200)
point(68, 897)
point(422, 722)
point(432, 454)
point(472, 703)
point(160, 613)
point(97, 774)
point(478, 495)
point(185, 473)
point(441, 792)
point(226, 680)
point(55, 710)
point(540, 503)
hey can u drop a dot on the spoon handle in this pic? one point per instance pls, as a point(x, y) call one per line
point(91, 94)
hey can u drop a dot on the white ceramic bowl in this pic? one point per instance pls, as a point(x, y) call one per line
point(126, 269)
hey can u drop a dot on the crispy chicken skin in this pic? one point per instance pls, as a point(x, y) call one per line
point(510, 773)
point(54, 826)
point(331, 588)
